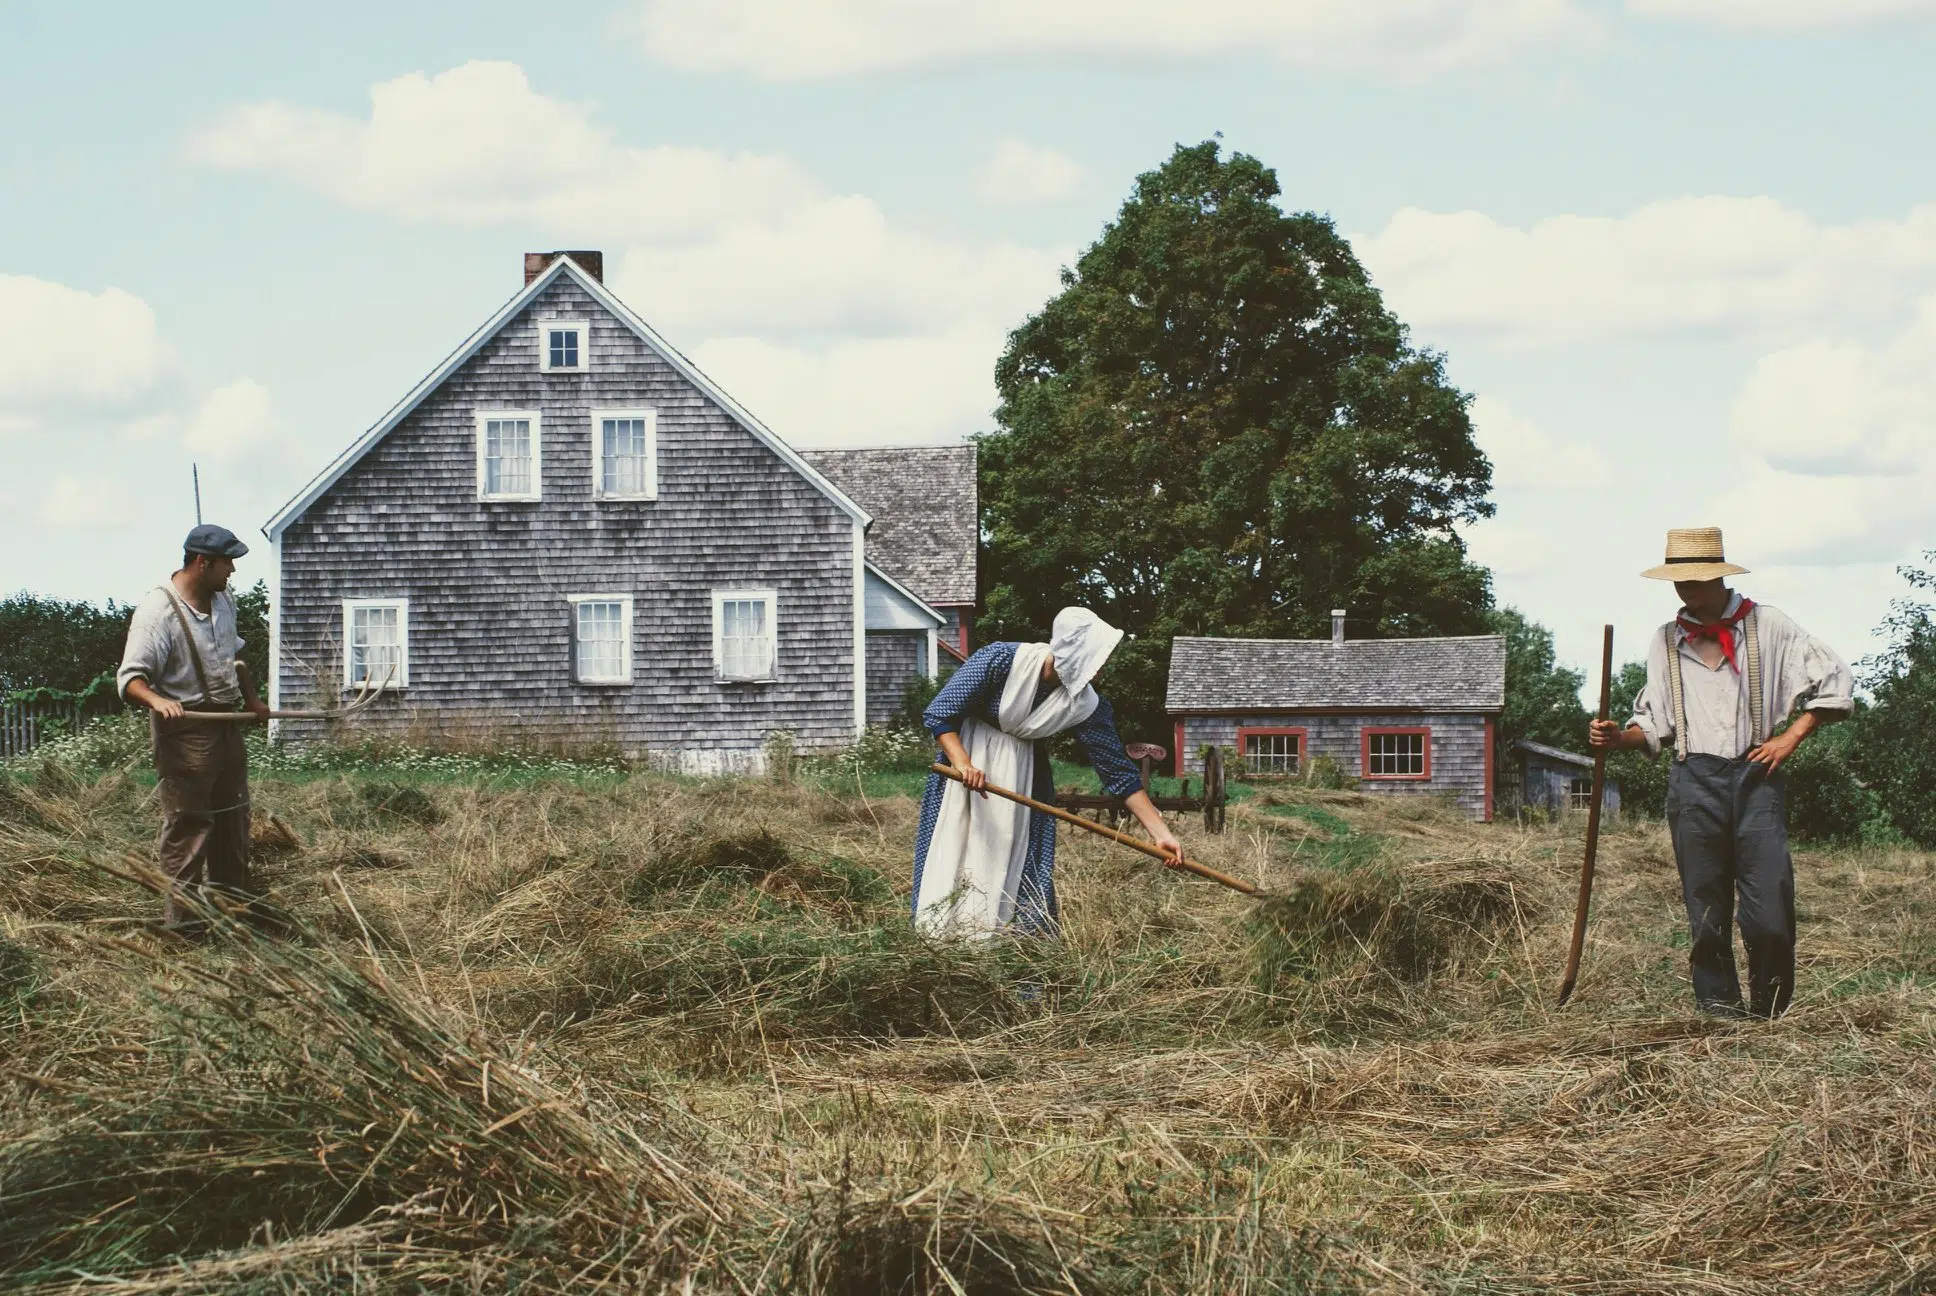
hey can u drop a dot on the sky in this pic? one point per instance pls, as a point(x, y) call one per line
point(1680, 253)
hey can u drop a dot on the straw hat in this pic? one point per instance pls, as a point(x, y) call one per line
point(1694, 554)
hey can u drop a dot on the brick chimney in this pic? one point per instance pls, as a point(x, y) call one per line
point(592, 263)
point(1337, 626)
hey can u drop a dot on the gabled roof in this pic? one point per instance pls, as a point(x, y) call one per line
point(921, 607)
point(1554, 753)
point(563, 265)
point(1453, 674)
point(925, 506)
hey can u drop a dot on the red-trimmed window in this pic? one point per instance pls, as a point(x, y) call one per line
point(1392, 753)
point(1271, 752)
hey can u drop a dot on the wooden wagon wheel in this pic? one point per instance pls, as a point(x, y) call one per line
point(1213, 794)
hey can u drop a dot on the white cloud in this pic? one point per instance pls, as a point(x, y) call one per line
point(62, 348)
point(866, 391)
point(1524, 455)
point(476, 145)
point(1785, 15)
point(838, 267)
point(232, 421)
point(1839, 443)
point(1018, 173)
point(99, 502)
point(1712, 262)
point(783, 41)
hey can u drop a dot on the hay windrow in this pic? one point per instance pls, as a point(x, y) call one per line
point(717, 1059)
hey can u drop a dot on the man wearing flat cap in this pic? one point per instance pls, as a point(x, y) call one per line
point(1722, 676)
point(181, 656)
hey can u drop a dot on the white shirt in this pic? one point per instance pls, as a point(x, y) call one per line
point(1797, 670)
point(157, 652)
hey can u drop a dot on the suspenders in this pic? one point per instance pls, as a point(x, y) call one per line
point(1677, 695)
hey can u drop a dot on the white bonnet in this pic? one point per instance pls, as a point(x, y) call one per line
point(1080, 643)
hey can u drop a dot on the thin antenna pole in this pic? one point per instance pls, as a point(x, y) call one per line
point(196, 469)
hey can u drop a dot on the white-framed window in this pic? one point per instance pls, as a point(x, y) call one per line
point(745, 634)
point(1579, 794)
point(510, 454)
point(564, 346)
point(625, 454)
point(601, 638)
point(376, 643)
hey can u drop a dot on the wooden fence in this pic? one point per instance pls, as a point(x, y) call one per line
point(25, 724)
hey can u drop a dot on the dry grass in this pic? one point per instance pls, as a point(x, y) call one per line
point(668, 1035)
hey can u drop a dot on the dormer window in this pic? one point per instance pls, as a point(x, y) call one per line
point(564, 346)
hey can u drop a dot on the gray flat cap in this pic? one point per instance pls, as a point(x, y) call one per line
point(217, 542)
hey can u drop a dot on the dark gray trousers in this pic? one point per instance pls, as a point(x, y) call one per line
point(1729, 822)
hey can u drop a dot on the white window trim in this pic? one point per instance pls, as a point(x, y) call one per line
point(721, 597)
point(651, 417)
point(537, 453)
point(584, 330)
point(624, 601)
point(402, 605)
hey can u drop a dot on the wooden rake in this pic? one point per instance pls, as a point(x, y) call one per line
point(1186, 865)
point(364, 703)
point(1592, 827)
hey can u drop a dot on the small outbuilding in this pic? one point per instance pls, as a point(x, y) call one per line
point(1401, 716)
point(1554, 780)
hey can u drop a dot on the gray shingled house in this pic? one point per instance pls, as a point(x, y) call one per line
point(1403, 716)
point(922, 543)
point(568, 532)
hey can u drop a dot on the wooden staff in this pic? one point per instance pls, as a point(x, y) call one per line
point(1592, 824)
point(1187, 865)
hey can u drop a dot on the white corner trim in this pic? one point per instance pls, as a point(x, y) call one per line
point(934, 653)
point(625, 631)
point(402, 605)
point(536, 420)
point(274, 683)
point(860, 627)
point(651, 419)
point(476, 342)
point(583, 328)
point(721, 597)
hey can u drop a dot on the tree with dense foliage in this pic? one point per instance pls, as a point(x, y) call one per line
point(48, 643)
point(1542, 697)
point(1216, 427)
point(1893, 752)
point(1642, 778)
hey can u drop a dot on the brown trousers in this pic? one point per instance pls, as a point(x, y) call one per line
point(204, 794)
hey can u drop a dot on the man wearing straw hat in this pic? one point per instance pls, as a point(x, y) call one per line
point(181, 653)
point(1721, 678)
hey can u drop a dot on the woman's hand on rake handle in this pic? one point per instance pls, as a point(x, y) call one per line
point(971, 778)
point(1139, 804)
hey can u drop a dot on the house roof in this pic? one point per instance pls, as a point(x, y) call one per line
point(563, 265)
point(1553, 753)
point(926, 513)
point(1451, 674)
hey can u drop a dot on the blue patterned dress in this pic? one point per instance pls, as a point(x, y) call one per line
point(975, 690)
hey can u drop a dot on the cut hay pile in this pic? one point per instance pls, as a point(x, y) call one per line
point(665, 1035)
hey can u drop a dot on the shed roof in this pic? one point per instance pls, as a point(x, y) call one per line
point(925, 508)
point(1554, 753)
point(1466, 673)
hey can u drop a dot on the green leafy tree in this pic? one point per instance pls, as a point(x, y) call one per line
point(1216, 427)
point(252, 623)
point(1642, 778)
point(55, 644)
point(1542, 697)
point(1892, 748)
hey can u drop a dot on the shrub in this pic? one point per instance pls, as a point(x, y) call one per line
point(1891, 747)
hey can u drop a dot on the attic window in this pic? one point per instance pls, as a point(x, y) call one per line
point(563, 346)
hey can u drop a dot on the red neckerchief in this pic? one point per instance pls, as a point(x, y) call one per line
point(1722, 631)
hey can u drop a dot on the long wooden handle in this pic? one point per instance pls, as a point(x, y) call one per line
point(1592, 824)
point(1187, 865)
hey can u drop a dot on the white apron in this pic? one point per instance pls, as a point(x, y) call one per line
point(975, 856)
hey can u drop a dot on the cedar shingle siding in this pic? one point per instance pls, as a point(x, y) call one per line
point(1337, 690)
point(489, 625)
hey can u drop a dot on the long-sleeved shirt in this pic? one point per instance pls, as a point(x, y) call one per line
point(975, 690)
point(157, 652)
point(1797, 670)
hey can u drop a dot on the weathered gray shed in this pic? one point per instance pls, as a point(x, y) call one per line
point(1403, 716)
point(1554, 780)
point(567, 531)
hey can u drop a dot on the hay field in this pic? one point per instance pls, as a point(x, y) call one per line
point(642, 1034)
